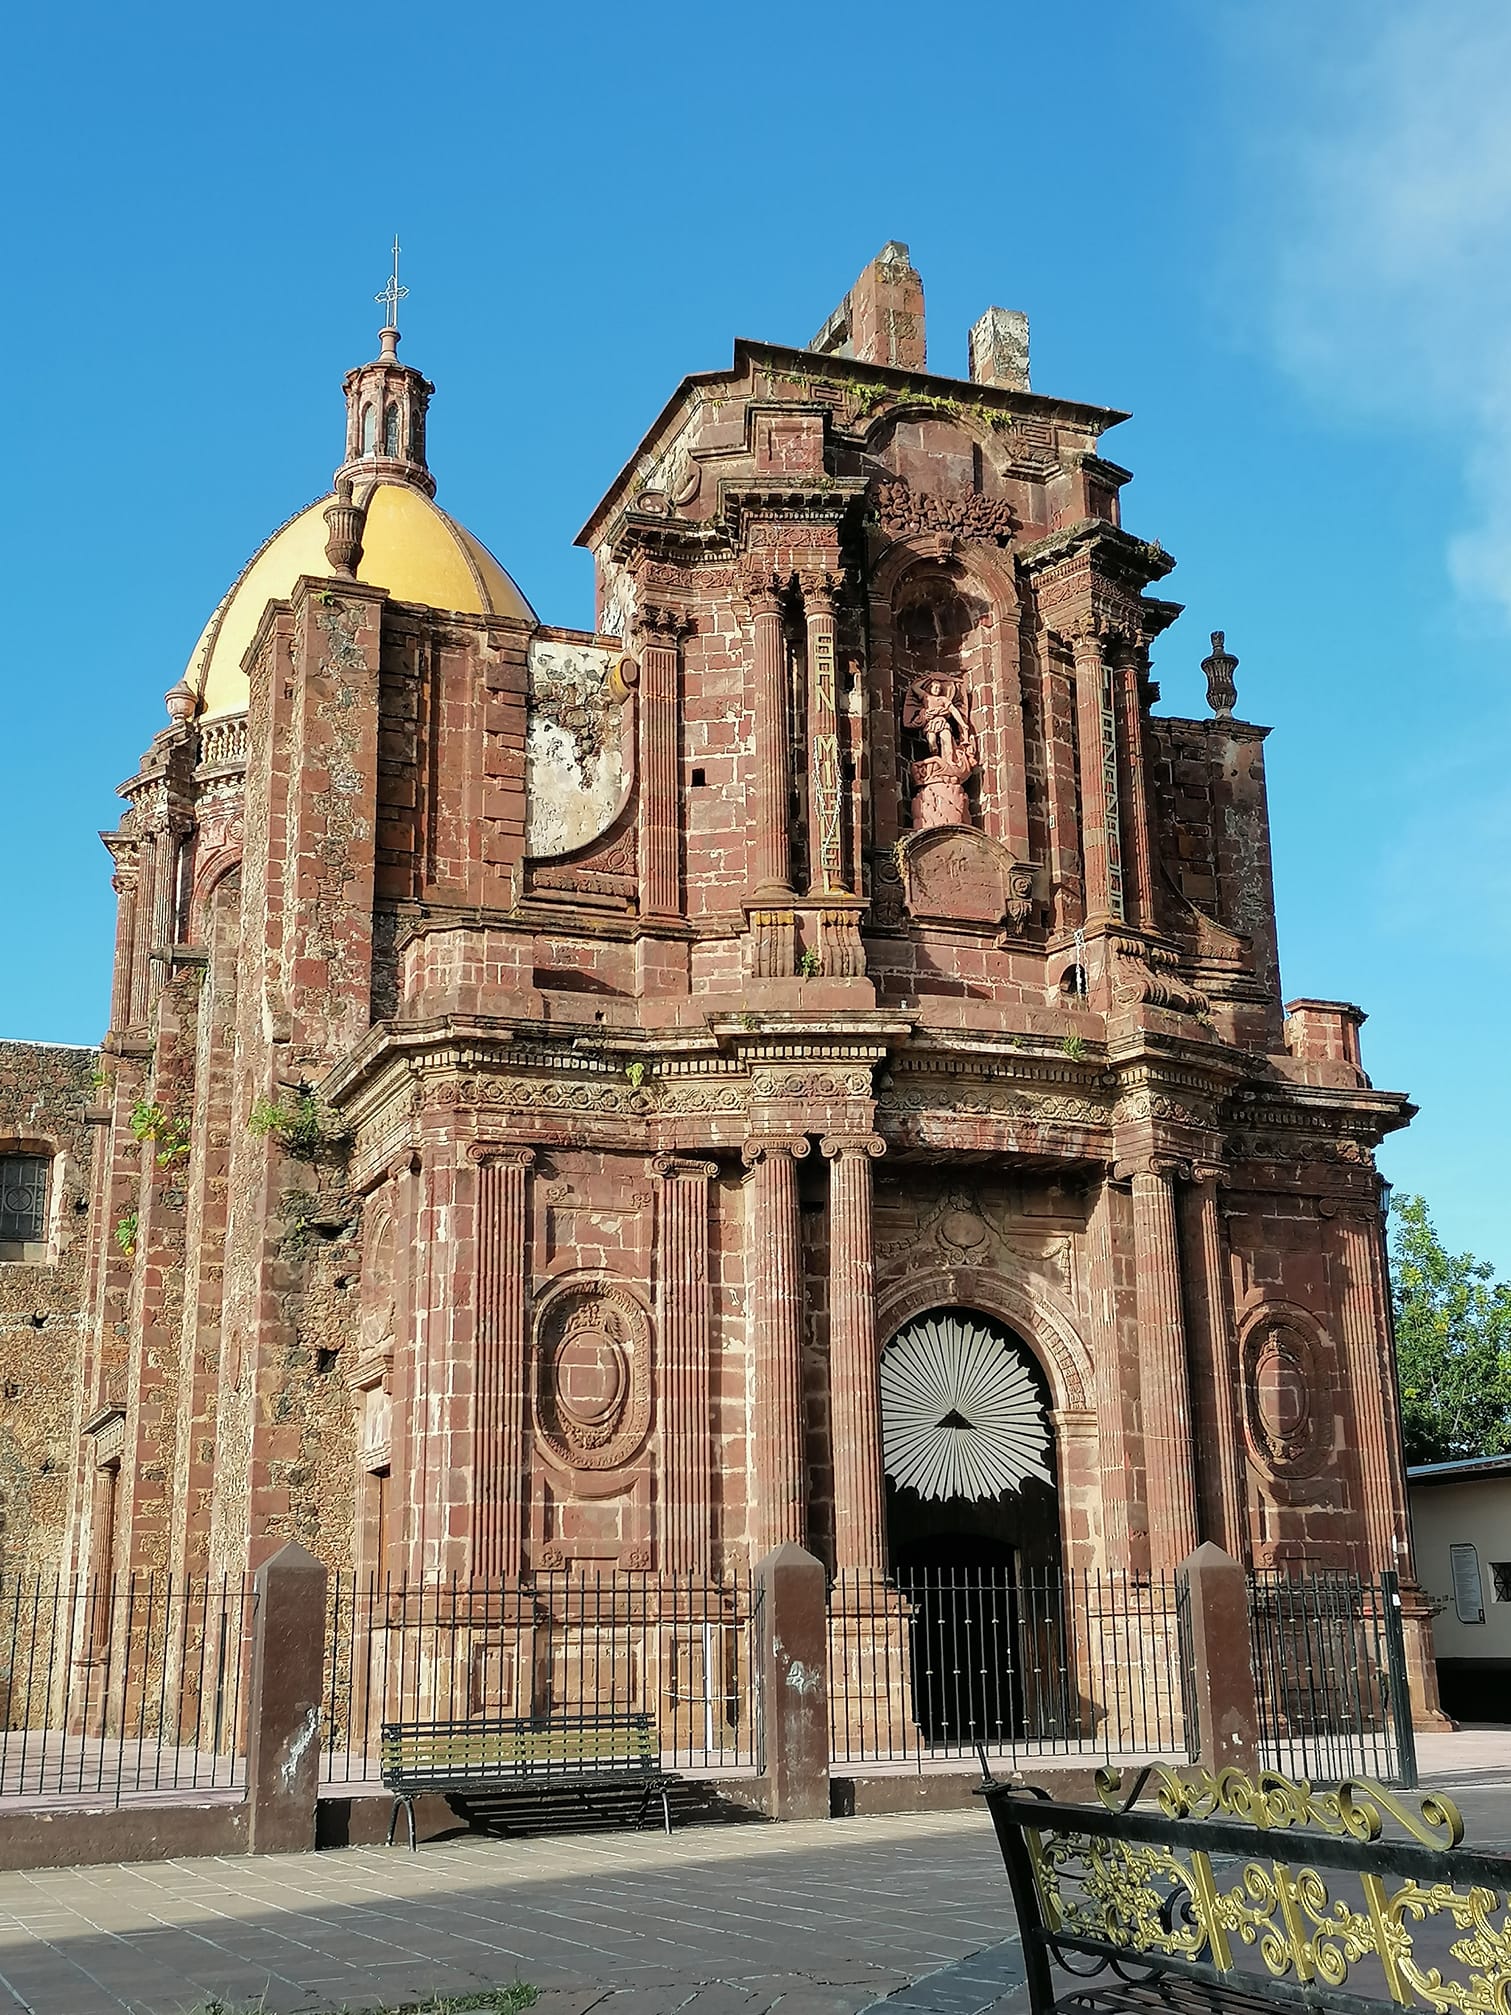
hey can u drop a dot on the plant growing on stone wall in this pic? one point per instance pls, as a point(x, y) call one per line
point(635, 1072)
point(124, 1232)
point(303, 1125)
point(168, 1133)
point(1075, 1048)
point(810, 965)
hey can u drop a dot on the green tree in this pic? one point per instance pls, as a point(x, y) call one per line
point(1453, 1343)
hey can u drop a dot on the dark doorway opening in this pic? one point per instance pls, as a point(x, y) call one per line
point(981, 1577)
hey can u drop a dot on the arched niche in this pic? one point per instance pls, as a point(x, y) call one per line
point(944, 608)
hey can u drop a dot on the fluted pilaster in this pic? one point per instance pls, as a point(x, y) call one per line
point(780, 1474)
point(660, 633)
point(683, 1319)
point(1164, 1377)
point(1227, 1518)
point(499, 1405)
point(854, 1369)
point(1364, 1317)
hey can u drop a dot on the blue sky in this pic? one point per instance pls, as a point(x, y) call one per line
point(1277, 233)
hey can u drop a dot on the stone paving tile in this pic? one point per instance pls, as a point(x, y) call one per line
point(797, 1920)
point(975, 1985)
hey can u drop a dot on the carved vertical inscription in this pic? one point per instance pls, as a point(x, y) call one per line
point(826, 870)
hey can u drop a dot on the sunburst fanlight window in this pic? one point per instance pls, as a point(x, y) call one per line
point(961, 1414)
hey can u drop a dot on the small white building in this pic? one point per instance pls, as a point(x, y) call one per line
point(1461, 1528)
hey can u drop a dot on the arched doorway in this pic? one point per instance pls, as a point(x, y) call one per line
point(973, 1522)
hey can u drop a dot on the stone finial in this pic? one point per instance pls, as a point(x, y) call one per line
point(1222, 694)
point(181, 703)
point(345, 520)
point(999, 350)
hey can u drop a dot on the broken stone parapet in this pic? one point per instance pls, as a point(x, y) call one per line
point(999, 350)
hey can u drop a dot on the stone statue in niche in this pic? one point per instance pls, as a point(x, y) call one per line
point(935, 715)
point(934, 710)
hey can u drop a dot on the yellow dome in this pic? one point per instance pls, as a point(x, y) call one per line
point(409, 546)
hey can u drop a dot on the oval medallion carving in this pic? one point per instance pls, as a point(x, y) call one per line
point(592, 1373)
point(1280, 1380)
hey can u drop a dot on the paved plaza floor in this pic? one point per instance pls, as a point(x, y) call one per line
point(824, 1919)
point(900, 1914)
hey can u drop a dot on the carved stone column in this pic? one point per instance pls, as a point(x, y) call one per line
point(854, 1367)
point(778, 1483)
point(771, 840)
point(660, 633)
point(1364, 1317)
point(498, 1422)
point(1138, 856)
point(141, 936)
point(682, 1317)
point(1106, 1344)
point(826, 852)
point(1226, 1506)
point(124, 882)
point(1096, 735)
point(1164, 1377)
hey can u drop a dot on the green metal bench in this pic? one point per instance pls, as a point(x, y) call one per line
point(569, 1753)
point(1237, 1893)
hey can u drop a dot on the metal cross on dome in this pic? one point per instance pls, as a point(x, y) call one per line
point(393, 293)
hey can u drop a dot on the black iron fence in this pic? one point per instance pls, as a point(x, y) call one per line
point(675, 1647)
point(122, 1688)
point(134, 1687)
point(1329, 1661)
point(949, 1660)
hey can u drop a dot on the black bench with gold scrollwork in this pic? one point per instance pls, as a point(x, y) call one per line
point(1231, 1892)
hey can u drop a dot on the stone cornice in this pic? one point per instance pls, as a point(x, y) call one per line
point(1131, 562)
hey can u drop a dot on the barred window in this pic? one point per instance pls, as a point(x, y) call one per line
point(23, 1204)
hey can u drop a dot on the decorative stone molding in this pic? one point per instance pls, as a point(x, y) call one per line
point(1288, 1432)
point(957, 874)
point(1150, 973)
point(1049, 1331)
point(591, 1373)
point(904, 512)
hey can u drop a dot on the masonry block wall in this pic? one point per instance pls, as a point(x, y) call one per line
point(585, 1058)
point(47, 1101)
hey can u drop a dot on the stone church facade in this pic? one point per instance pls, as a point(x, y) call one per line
point(803, 1061)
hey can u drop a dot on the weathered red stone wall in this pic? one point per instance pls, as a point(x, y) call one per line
point(46, 1090)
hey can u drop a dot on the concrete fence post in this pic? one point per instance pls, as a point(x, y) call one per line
point(1227, 1713)
point(792, 1678)
point(283, 1703)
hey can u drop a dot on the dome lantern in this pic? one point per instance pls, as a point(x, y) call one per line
point(386, 403)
